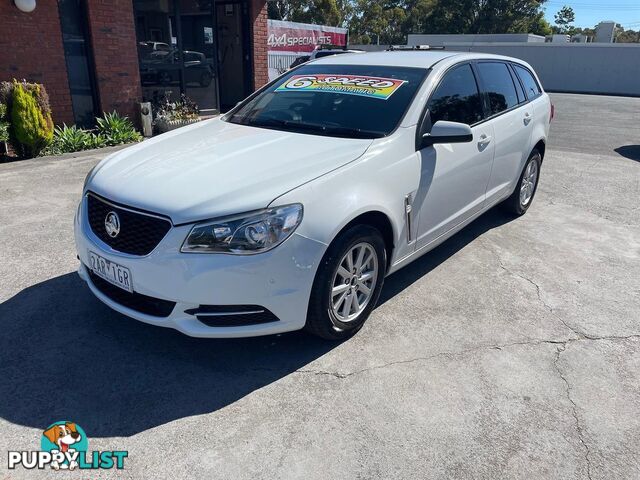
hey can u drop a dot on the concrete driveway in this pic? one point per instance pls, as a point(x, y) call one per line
point(511, 351)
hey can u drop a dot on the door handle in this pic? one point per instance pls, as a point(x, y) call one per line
point(484, 140)
point(527, 118)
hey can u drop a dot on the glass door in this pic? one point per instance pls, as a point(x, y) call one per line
point(233, 52)
point(158, 52)
point(199, 48)
point(197, 31)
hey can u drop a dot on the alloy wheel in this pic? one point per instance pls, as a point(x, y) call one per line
point(529, 180)
point(354, 282)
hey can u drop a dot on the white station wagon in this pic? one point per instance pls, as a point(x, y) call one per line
point(289, 211)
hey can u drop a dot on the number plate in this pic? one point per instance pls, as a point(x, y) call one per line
point(111, 271)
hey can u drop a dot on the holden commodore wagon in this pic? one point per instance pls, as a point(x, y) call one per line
point(289, 211)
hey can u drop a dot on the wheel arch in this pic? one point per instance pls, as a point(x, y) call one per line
point(541, 146)
point(377, 220)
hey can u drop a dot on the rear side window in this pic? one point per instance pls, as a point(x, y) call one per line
point(457, 98)
point(530, 85)
point(498, 85)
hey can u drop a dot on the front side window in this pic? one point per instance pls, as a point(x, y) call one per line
point(354, 101)
point(457, 98)
point(530, 84)
point(498, 85)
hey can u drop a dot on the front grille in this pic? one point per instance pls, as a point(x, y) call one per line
point(139, 232)
point(232, 315)
point(135, 301)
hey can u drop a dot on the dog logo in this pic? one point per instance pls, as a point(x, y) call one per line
point(64, 446)
point(112, 224)
point(66, 438)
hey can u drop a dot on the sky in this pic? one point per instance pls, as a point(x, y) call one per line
point(590, 12)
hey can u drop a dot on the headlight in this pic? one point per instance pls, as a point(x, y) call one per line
point(254, 233)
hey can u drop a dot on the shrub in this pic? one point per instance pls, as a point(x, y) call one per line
point(73, 139)
point(6, 94)
point(113, 129)
point(4, 131)
point(4, 126)
point(116, 129)
point(31, 118)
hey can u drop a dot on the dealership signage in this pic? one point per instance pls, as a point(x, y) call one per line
point(293, 37)
point(288, 40)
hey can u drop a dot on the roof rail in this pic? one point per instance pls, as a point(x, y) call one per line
point(413, 47)
point(329, 46)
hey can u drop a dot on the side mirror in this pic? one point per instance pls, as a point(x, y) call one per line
point(447, 132)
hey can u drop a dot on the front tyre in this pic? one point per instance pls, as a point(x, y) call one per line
point(522, 197)
point(348, 283)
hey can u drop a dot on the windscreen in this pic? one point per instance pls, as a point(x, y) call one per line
point(356, 101)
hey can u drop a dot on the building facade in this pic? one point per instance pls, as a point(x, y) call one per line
point(97, 56)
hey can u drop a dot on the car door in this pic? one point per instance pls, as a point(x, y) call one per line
point(511, 117)
point(453, 176)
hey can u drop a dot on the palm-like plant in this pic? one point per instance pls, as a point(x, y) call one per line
point(117, 129)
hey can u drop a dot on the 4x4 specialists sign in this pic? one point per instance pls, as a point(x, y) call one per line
point(288, 40)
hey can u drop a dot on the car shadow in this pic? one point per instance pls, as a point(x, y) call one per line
point(632, 152)
point(66, 356)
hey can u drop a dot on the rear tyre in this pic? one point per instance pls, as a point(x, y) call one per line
point(522, 197)
point(348, 283)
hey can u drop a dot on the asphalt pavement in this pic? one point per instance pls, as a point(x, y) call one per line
point(511, 351)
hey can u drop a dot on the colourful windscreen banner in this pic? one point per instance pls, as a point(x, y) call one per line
point(373, 87)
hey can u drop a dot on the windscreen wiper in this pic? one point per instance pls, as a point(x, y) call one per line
point(320, 128)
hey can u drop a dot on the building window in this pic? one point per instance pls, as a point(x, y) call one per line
point(78, 59)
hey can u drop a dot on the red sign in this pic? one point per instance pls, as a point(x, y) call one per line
point(292, 37)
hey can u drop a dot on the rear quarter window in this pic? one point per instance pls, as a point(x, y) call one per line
point(521, 96)
point(531, 86)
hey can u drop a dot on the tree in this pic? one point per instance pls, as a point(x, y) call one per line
point(378, 22)
point(626, 36)
point(563, 19)
point(540, 26)
point(389, 21)
point(323, 12)
point(484, 16)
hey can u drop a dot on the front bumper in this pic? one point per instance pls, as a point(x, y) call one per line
point(279, 280)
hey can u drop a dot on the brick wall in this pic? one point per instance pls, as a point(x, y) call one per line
point(113, 37)
point(31, 48)
point(258, 17)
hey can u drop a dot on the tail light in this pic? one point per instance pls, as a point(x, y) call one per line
point(553, 112)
